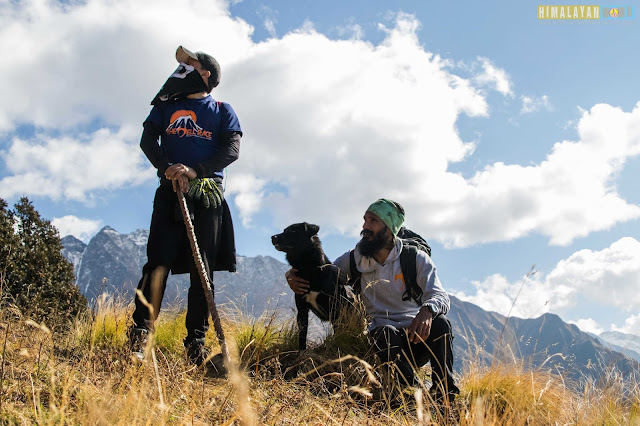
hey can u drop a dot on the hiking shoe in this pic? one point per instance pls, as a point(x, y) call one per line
point(196, 351)
point(199, 355)
point(138, 339)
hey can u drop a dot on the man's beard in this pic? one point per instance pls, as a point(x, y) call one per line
point(368, 247)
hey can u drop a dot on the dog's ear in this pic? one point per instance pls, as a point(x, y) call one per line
point(311, 229)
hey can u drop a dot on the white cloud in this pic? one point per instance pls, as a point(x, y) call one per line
point(528, 298)
point(610, 276)
point(330, 125)
point(568, 195)
point(588, 325)
point(83, 229)
point(104, 59)
point(269, 19)
point(532, 104)
point(250, 194)
point(270, 26)
point(385, 125)
point(74, 167)
point(344, 117)
point(352, 30)
point(631, 325)
point(607, 279)
point(493, 76)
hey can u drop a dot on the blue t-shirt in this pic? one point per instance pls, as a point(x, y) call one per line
point(192, 128)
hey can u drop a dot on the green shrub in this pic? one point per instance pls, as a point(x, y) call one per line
point(33, 272)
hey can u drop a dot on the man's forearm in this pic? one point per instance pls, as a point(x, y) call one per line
point(227, 152)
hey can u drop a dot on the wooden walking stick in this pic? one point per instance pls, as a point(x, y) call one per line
point(238, 380)
point(204, 279)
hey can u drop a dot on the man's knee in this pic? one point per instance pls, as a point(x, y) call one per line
point(440, 327)
point(152, 286)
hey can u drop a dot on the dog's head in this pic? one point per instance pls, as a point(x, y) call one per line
point(296, 237)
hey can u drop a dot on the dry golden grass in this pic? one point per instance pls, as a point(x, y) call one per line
point(86, 375)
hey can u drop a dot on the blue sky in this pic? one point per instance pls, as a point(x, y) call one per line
point(510, 141)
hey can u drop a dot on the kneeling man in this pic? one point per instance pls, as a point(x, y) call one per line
point(400, 330)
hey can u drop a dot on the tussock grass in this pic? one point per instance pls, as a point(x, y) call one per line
point(612, 400)
point(86, 375)
point(509, 392)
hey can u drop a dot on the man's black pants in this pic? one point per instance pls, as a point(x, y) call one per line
point(168, 248)
point(392, 345)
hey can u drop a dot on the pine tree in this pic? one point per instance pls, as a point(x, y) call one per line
point(34, 273)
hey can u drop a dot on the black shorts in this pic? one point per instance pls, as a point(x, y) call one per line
point(168, 243)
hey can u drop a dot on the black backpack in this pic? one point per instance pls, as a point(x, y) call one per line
point(411, 243)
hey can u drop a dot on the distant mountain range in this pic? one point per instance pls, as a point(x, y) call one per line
point(628, 344)
point(546, 340)
point(112, 262)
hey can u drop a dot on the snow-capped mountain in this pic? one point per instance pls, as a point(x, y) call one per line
point(72, 250)
point(629, 344)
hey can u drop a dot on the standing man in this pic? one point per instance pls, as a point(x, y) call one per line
point(400, 330)
point(199, 137)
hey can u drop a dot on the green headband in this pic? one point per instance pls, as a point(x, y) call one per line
point(388, 213)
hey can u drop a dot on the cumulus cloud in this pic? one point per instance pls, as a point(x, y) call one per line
point(532, 104)
point(104, 60)
point(82, 229)
point(336, 137)
point(74, 167)
point(347, 120)
point(631, 325)
point(588, 325)
point(495, 77)
point(329, 124)
point(610, 276)
point(607, 279)
point(528, 298)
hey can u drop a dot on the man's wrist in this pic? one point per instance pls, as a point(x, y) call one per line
point(432, 309)
point(191, 173)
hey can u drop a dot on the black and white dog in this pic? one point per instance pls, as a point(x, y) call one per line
point(327, 295)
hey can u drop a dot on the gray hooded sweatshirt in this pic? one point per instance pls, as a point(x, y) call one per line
point(382, 287)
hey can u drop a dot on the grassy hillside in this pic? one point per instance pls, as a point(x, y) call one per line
point(86, 375)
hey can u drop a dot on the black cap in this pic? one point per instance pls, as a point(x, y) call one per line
point(208, 62)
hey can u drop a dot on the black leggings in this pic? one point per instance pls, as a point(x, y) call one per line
point(169, 246)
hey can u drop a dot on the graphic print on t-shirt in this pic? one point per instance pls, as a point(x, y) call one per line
point(184, 123)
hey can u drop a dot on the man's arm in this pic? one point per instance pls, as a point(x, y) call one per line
point(297, 284)
point(343, 264)
point(436, 299)
point(434, 294)
point(151, 148)
point(301, 286)
point(227, 152)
